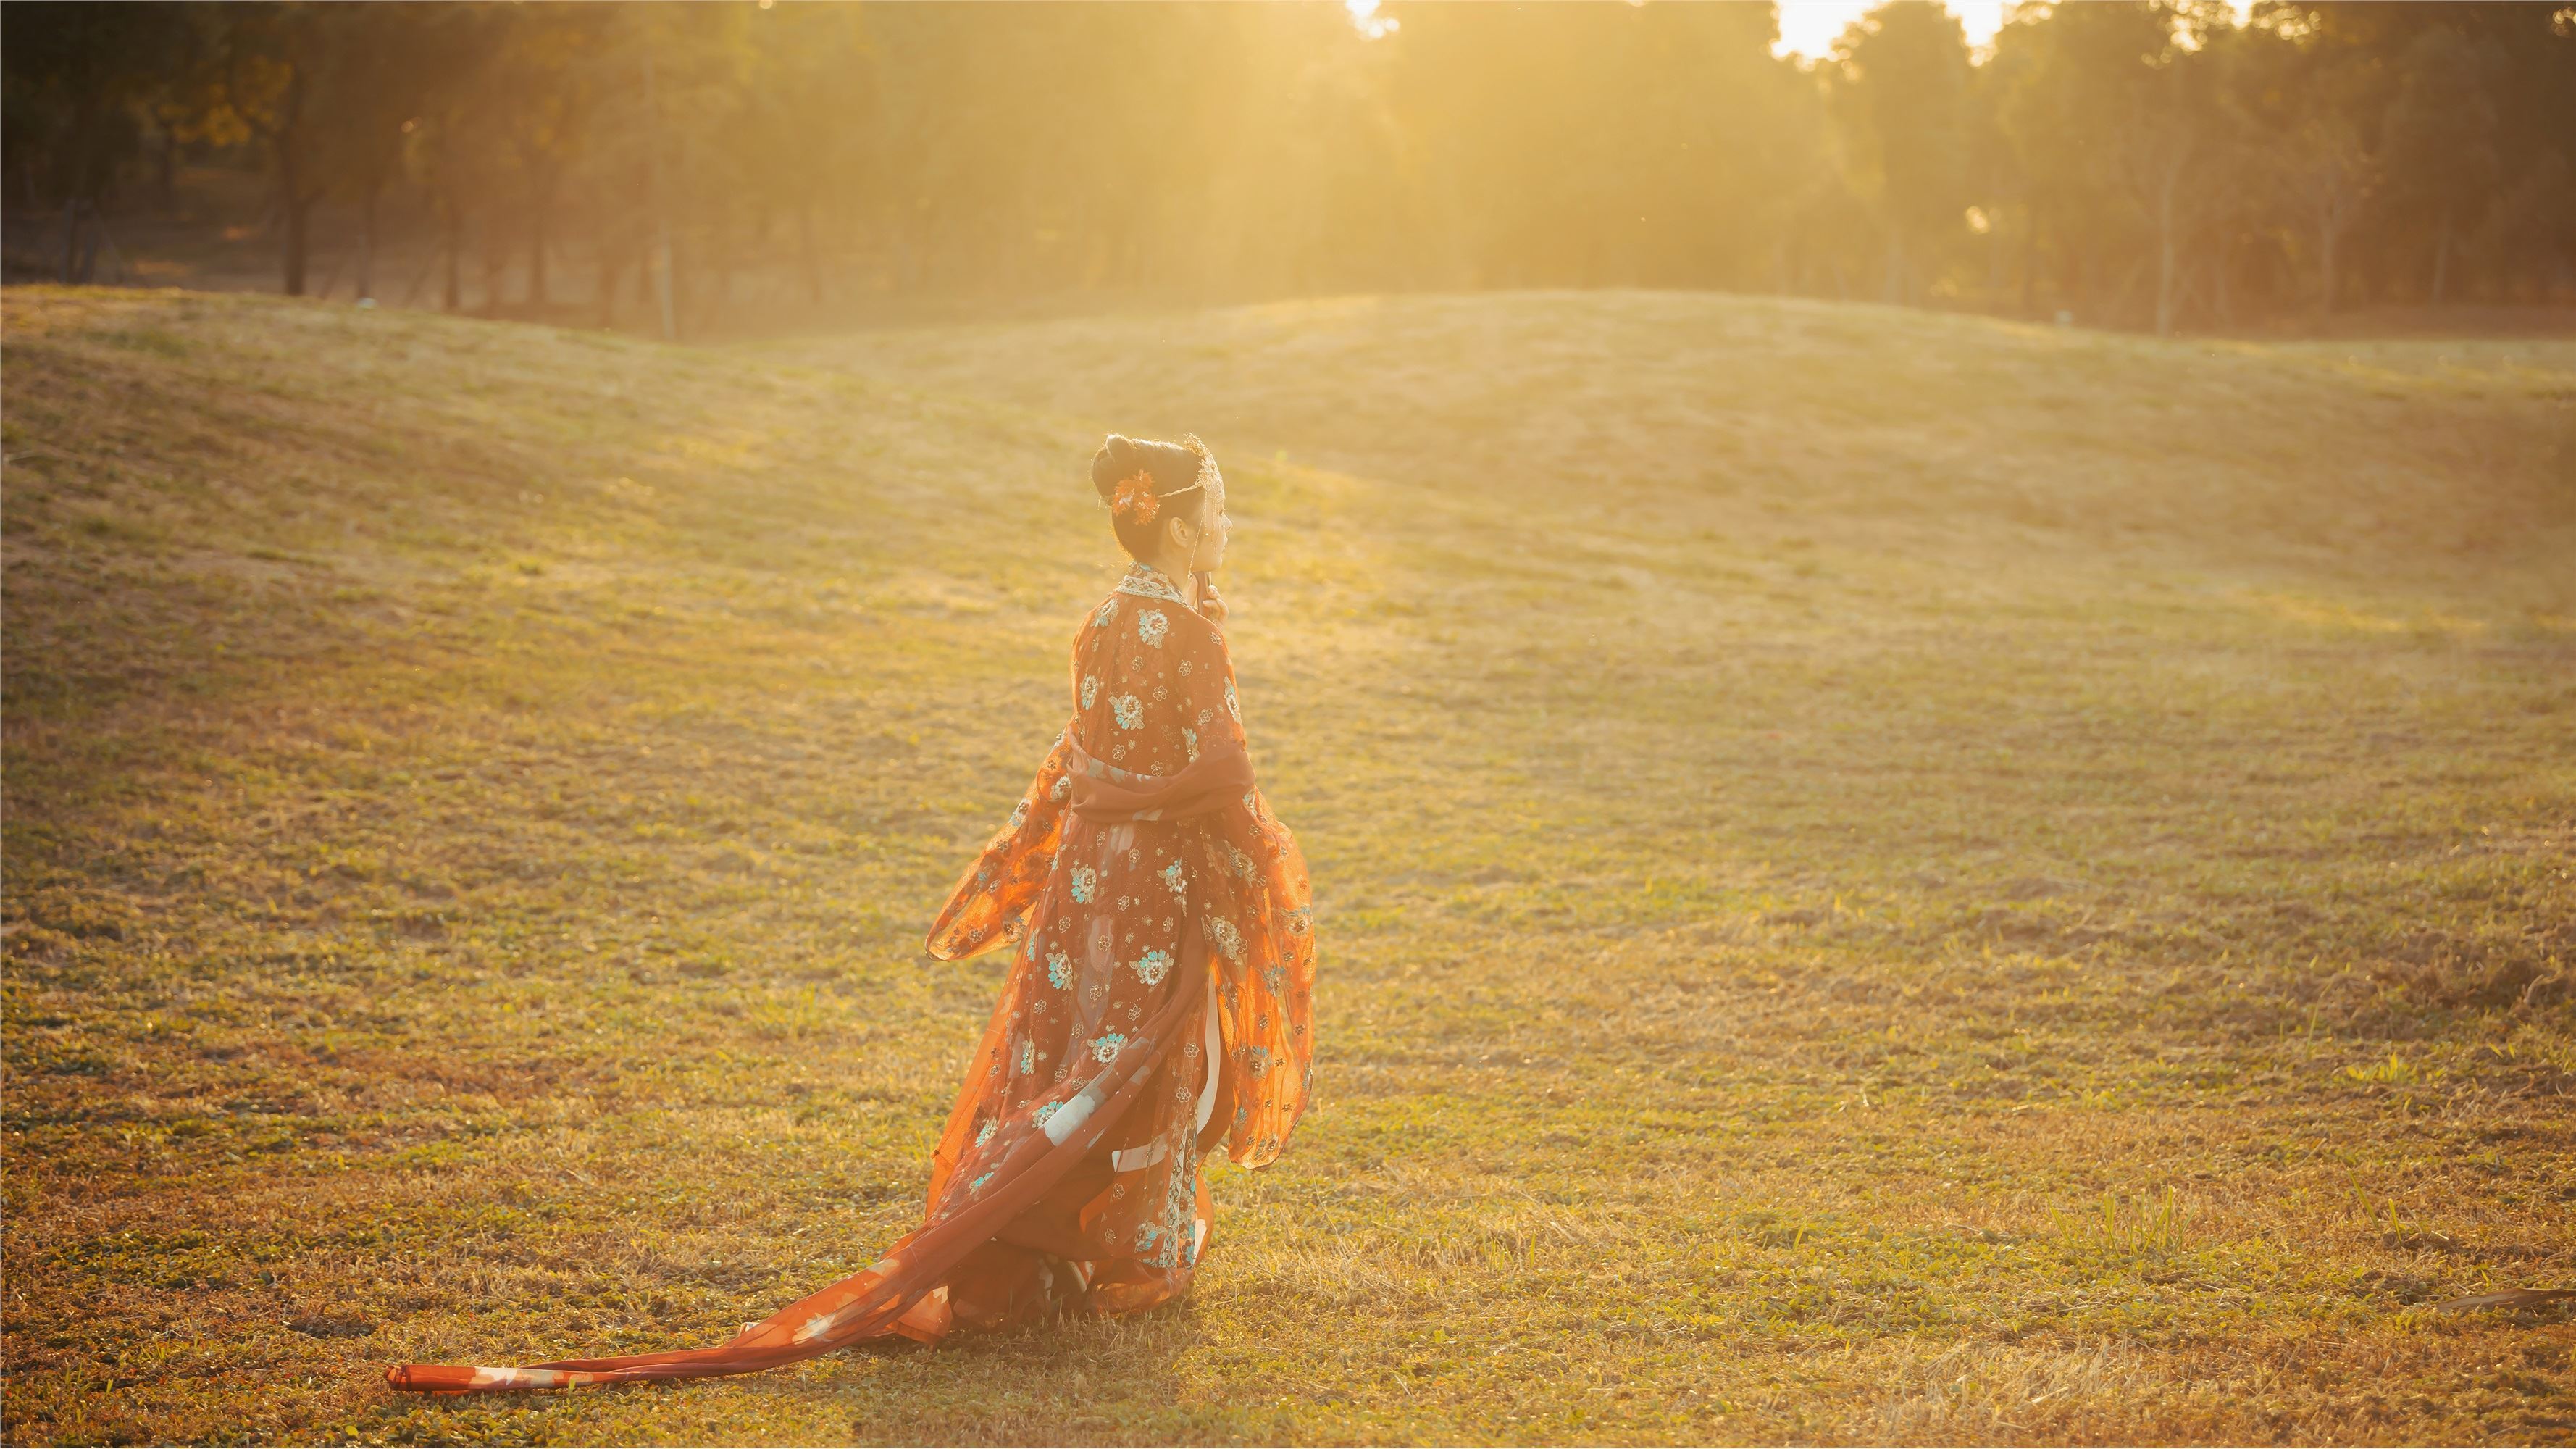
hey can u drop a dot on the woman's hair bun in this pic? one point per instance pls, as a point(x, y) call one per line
point(1118, 458)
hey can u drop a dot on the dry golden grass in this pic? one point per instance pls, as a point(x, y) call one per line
point(1881, 877)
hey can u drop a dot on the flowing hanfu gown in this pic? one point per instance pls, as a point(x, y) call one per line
point(1158, 1007)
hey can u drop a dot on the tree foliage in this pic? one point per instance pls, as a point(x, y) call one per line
point(2157, 163)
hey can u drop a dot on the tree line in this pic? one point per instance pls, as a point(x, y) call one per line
point(2154, 163)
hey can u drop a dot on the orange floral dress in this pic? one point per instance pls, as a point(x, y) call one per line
point(1158, 1006)
point(1097, 914)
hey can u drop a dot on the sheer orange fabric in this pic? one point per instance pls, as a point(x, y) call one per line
point(1158, 1006)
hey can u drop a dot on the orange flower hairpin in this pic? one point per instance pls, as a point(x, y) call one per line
point(1135, 497)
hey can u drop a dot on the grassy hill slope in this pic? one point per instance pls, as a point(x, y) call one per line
point(1879, 876)
point(1883, 425)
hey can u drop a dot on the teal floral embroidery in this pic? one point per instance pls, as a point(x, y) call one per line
point(1190, 741)
point(1151, 968)
point(1028, 1057)
point(1090, 689)
point(1059, 970)
point(1019, 815)
point(1108, 611)
point(1129, 709)
point(1085, 884)
point(1228, 939)
point(1243, 864)
point(1151, 626)
point(1230, 706)
point(986, 1135)
point(1177, 878)
point(978, 1184)
point(1104, 1047)
point(1063, 787)
point(1170, 1237)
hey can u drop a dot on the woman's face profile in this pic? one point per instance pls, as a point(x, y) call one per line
point(1213, 527)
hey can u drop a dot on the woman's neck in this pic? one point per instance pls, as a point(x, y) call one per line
point(1178, 576)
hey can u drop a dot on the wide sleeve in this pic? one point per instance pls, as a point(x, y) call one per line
point(992, 899)
point(1259, 924)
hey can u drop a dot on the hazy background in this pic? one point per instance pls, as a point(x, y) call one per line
point(2197, 166)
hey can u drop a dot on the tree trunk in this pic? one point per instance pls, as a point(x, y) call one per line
point(71, 239)
point(492, 265)
point(2167, 298)
point(166, 174)
point(537, 216)
point(420, 279)
point(612, 265)
point(288, 141)
point(728, 255)
point(91, 235)
point(76, 168)
point(2442, 256)
point(664, 261)
point(2327, 237)
point(805, 240)
point(2164, 286)
point(367, 244)
point(299, 210)
point(2029, 259)
point(452, 242)
point(1994, 262)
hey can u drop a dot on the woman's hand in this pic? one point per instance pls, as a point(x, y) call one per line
point(1210, 606)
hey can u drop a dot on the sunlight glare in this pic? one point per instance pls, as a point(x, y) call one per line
point(1808, 27)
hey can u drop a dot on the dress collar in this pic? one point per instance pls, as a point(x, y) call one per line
point(1150, 582)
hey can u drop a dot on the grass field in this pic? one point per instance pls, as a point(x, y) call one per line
point(1880, 876)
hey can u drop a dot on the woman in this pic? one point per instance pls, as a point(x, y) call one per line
point(1158, 1003)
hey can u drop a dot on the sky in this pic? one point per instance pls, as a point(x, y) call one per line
point(1808, 27)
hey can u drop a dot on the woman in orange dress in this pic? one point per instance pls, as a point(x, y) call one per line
point(1158, 1005)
